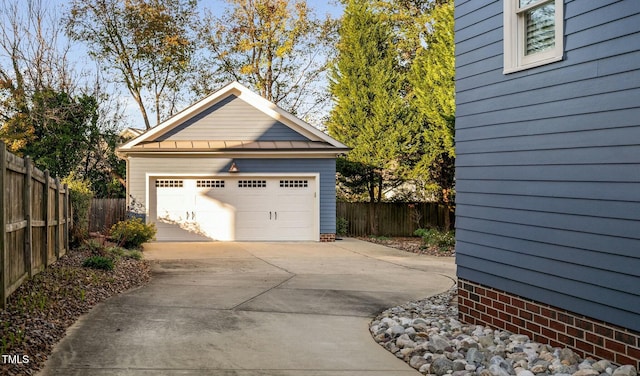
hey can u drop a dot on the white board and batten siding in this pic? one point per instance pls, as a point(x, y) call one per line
point(548, 162)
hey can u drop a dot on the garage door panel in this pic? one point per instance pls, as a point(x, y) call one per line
point(213, 209)
point(237, 208)
point(295, 199)
point(171, 215)
point(252, 219)
point(250, 204)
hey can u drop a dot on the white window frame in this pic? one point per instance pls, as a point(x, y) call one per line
point(514, 42)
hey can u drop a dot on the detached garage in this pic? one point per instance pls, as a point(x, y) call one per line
point(234, 167)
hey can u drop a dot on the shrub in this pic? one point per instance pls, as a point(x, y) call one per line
point(98, 262)
point(95, 247)
point(116, 252)
point(80, 195)
point(133, 254)
point(342, 226)
point(443, 240)
point(132, 232)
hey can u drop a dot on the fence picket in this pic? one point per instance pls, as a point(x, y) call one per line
point(391, 218)
point(105, 212)
point(4, 256)
point(27, 219)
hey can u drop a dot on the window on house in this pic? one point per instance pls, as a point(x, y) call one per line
point(169, 183)
point(533, 33)
point(294, 183)
point(252, 183)
point(210, 184)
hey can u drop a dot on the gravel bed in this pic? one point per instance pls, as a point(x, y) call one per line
point(38, 314)
point(427, 335)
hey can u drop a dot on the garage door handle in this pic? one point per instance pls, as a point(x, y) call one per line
point(187, 216)
point(269, 215)
point(193, 216)
point(276, 216)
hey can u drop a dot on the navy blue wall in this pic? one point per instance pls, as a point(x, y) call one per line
point(548, 162)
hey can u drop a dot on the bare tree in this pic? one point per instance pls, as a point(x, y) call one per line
point(275, 47)
point(60, 116)
point(33, 57)
point(147, 43)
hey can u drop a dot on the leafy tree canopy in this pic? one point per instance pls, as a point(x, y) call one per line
point(148, 43)
point(432, 79)
point(276, 47)
point(370, 113)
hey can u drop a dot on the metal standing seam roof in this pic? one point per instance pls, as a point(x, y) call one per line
point(233, 146)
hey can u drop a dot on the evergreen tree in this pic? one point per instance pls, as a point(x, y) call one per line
point(369, 113)
point(432, 79)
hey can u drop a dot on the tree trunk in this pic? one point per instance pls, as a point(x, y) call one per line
point(373, 218)
point(373, 223)
point(447, 209)
point(143, 111)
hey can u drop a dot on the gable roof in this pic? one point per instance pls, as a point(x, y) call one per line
point(162, 137)
point(130, 133)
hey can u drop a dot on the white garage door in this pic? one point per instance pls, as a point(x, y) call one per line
point(238, 208)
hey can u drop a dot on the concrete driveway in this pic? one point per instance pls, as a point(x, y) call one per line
point(253, 309)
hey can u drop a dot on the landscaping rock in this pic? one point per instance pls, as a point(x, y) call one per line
point(586, 372)
point(434, 342)
point(417, 361)
point(601, 366)
point(625, 371)
point(441, 366)
point(405, 342)
point(438, 344)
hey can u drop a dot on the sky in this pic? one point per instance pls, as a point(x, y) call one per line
point(321, 8)
point(80, 60)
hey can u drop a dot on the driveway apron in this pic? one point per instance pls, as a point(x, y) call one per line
point(253, 309)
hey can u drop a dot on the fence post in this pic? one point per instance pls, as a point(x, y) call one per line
point(4, 262)
point(28, 236)
point(67, 220)
point(58, 219)
point(47, 187)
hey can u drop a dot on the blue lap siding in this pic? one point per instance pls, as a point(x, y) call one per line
point(548, 162)
point(232, 119)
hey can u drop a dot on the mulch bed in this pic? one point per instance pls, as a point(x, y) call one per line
point(38, 314)
point(411, 244)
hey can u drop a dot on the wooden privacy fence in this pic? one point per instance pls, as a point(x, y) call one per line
point(391, 218)
point(34, 224)
point(105, 212)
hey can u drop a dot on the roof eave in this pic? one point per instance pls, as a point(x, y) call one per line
point(235, 152)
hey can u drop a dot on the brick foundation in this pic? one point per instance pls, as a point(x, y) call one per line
point(543, 323)
point(327, 238)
